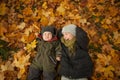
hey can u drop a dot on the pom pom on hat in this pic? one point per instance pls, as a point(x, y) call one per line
point(71, 28)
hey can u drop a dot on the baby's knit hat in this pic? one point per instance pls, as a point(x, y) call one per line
point(70, 28)
point(49, 29)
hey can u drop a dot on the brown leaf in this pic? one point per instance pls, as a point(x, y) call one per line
point(2, 77)
point(44, 21)
point(2, 30)
point(3, 9)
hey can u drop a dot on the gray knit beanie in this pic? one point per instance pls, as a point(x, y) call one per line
point(70, 28)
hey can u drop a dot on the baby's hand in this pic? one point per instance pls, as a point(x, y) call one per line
point(58, 58)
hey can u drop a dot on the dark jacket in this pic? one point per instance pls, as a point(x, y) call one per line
point(46, 54)
point(80, 65)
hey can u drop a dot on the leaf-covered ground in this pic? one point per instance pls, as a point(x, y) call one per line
point(21, 21)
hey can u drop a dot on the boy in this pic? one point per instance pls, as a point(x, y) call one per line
point(49, 51)
point(76, 63)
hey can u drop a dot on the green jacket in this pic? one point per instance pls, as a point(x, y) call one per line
point(46, 57)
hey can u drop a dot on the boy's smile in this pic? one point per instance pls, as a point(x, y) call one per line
point(47, 36)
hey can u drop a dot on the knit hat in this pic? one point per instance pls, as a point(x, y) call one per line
point(49, 29)
point(70, 28)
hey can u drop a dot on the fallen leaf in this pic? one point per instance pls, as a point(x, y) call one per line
point(44, 21)
point(21, 61)
point(31, 46)
point(44, 5)
point(2, 30)
point(2, 77)
point(61, 9)
point(21, 26)
point(113, 11)
point(116, 37)
point(3, 9)
point(7, 66)
point(103, 59)
point(27, 11)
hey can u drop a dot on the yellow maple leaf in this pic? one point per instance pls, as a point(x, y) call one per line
point(21, 60)
point(49, 16)
point(7, 66)
point(2, 76)
point(29, 38)
point(21, 26)
point(103, 59)
point(13, 28)
point(27, 11)
point(44, 5)
point(3, 9)
point(100, 7)
point(83, 21)
point(108, 21)
point(105, 26)
point(34, 25)
point(113, 11)
point(20, 16)
point(29, 33)
point(108, 71)
point(20, 73)
point(90, 4)
point(2, 29)
point(74, 16)
point(116, 37)
point(92, 32)
point(61, 9)
point(47, 13)
point(31, 46)
point(52, 20)
point(44, 21)
point(107, 47)
point(104, 37)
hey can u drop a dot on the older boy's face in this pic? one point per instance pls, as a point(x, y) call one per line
point(47, 36)
point(67, 36)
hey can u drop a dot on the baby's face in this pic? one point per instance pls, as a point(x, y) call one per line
point(67, 36)
point(47, 36)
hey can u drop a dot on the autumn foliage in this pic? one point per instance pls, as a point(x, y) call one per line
point(21, 21)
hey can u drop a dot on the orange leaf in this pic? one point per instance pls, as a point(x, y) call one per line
point(21, 60)
point(61, 9)
point(13, 28)
point(31, 37)
point(3, 9)
point(2, 30)
point(116, 37)
point(27, 11)
point(44, 5)
point(7, 66)
point(2, 76)
point(113, 11)
point(104, 37)
point(21, 26)
point(44, 21)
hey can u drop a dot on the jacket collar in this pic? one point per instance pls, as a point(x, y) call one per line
point(53, 39)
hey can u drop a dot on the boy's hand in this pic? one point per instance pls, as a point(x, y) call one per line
point(58, 58)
